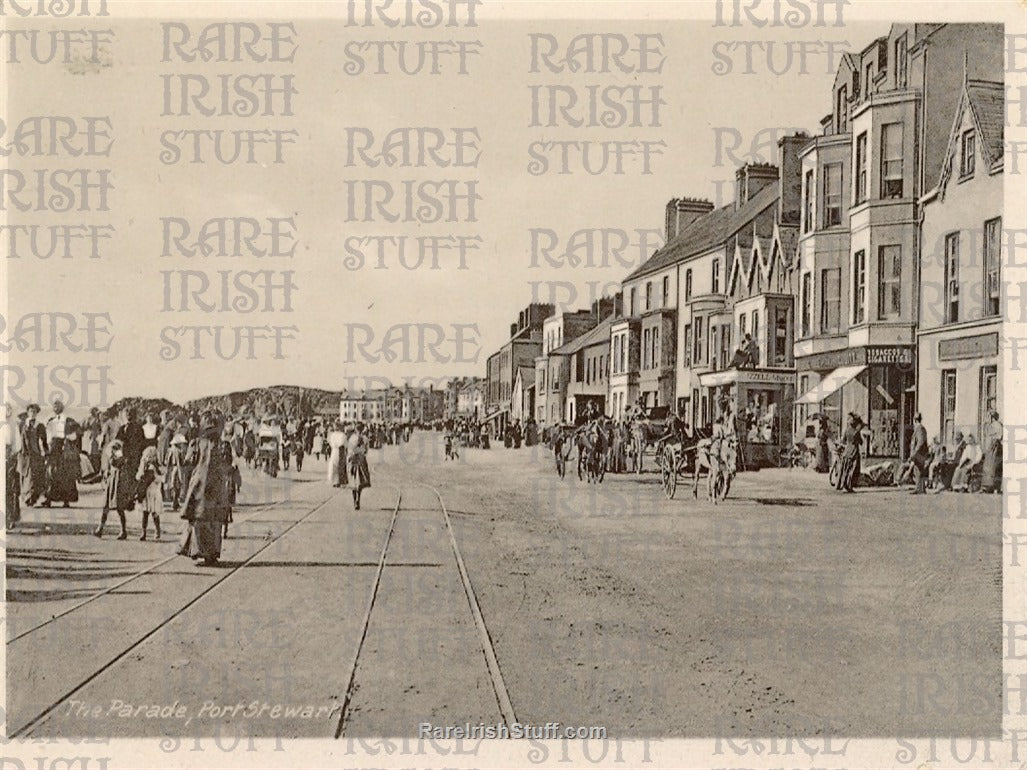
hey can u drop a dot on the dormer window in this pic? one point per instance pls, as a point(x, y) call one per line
point(967, 154)
point(842, 110)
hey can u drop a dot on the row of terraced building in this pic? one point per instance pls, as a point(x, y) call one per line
point(865, 266)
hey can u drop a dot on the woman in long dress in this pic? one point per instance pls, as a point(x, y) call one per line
point(359, 472)
point(991, 471)
point(206, 505)
point(336, 439)
point(851, 458)
point(823, 446)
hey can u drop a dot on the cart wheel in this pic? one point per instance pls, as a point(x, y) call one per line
point(669, 475)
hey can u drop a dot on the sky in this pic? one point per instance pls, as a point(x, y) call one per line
point(712, 105)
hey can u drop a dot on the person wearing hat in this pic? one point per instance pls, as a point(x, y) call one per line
point(853, 440)
point(33, 457)
point(132, 441)
point(918, 455)
point(356, 457)
point(206, 505)
point(971, 456)
point(63, 465)
point(948, 466)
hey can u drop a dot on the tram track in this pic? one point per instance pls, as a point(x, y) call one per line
point(483, 637)
point(26, 728)
point(121, 584)
point(366, 661)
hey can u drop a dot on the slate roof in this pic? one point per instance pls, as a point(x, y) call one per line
point(707, 232)
point(598, 333)
point(988, 100)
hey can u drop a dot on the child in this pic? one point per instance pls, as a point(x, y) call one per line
point(114, 464)
point(234, 481)
point(150, 493)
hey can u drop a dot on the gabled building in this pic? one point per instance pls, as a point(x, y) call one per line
point(858, 279)
point(960, 271)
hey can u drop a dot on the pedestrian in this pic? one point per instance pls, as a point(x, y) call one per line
point(132, 442)
point(151, 430)
point(10, 432)
point(63, 467)
point(918, 455)
point(114, 491)
point(175, 480)
point(299, 449)
point(853, 440)
point(823, 445)
point(359, 472)
point(150, 477)
point(991, 470)
point(206, 505)
point(336, 440)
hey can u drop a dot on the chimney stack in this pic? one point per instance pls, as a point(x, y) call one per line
point(751, 178)
point(790, 199)
point(681, 212)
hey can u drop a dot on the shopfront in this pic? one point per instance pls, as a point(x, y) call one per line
point(875, 382)
point(761, 400)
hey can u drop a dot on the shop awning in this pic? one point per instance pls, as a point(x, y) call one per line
point(832, 383)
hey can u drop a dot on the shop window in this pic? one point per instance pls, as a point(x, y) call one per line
point(889, 282)
point(891, 160)
point(885, 425)
point(988, 400)
point(859, 287)
point(830, 300)
point(948, 405)
point(952, 278)
point(802, 410)
point(967, 155)
point(992, 265)
point(861, 168)
point(832, 195)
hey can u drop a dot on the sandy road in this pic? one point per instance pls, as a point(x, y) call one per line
point(789, 609)
point(321, 621)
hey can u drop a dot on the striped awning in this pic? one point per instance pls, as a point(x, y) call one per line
point(830, 384)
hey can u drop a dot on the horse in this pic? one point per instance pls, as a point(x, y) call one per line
point(644, 434)
point(720, 466)
point(593, 447)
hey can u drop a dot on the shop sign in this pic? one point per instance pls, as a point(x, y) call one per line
point(977, 346)
point(776, 378)
point(889, 355)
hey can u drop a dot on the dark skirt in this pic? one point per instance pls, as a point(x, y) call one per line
point(823, 458)
point(63, 469)
point(12, 503)
point(991, 468)
point(849, 471)
point(359, 473)
point(33, 477)
point(201, 539)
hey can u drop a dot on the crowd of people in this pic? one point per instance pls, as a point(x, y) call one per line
point(182, 461)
